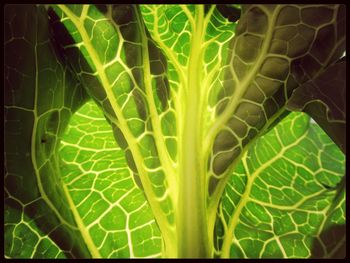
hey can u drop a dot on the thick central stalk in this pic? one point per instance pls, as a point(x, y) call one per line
point(191, 225)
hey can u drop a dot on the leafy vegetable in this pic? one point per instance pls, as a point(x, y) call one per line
point(164, 131)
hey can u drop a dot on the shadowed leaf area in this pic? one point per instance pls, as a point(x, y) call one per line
point(174, 131)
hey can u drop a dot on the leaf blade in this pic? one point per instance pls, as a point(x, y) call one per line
point(36, 113)
point(272, 207)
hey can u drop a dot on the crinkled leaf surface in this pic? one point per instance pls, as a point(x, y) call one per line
point(286, 198)
point(40, 96)
point(111, 206)
point(185, 91)
point(105, 47)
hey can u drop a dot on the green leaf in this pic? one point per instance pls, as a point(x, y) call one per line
point(40, 96)
point(185, 90)
point(111, 206)
point(124, 72)
point(23, 238)
point(285, 195)
point(323, 98)
point(276, 49)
